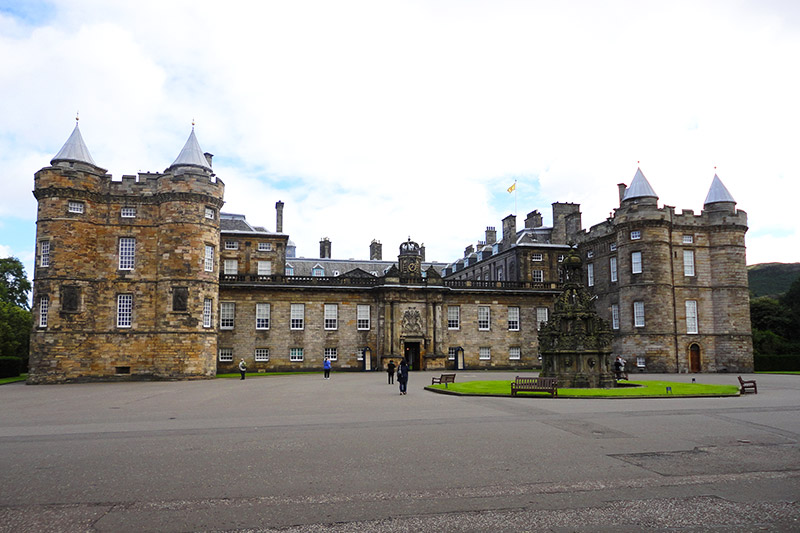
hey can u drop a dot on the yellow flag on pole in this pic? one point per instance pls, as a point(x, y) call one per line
point(513, 187)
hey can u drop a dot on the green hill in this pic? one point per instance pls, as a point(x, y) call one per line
point(771, 279)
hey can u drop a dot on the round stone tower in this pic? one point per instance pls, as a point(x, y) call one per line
point(126, 275)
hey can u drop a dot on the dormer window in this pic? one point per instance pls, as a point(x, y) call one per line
point(318, 271)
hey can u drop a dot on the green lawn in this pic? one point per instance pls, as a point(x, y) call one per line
point(778, 372)
point(649, 389)
point(21, 377)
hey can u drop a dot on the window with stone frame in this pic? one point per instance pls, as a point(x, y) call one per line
point(264, 246)
point(231, 245)
point(226, 355)
point(636, 262)
point(484, 353)
point(208, 259)
point(180, 299)
point(332, 354)
point(542, 316)
point(484, 318)
point(295, 355)
point(44, 253)
point(614, 316)
point(514, 353)
point(124, 310)
point(331, 316)
point(127, 212)
point(297, 315)
point(688, 263)
point(590, 274)
point(70, 298)
point(262, 316)
point(636, 235)
point(451, 353)
point(537, 276)
point(261, 355)
point(231, 267)
point(453, 317)
point(208, 305)
point(362, 317)
point(74, 206)
point(691, 317)
point(265, 268)
point(210, 213)
point(612, 267)
point(44, 309)
point(513, 319)
point(127, 253)
point(688, 239)
point(537, 257)
point(227, 315)
point(638, 314)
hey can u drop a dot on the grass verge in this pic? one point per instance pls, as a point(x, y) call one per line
point(262, 374)
point(644, 389)
point(21, 377)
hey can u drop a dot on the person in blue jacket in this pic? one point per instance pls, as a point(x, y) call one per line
point(326, 367)
point(402, 376)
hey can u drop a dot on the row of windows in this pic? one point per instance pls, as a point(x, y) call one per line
point(262, 246)
point(484, 317)
point(78, 207)
point(261, 355)
point(637, 266)
point(227, 315)
point(639, 319)
point(127, 256)
point(231, 267)
point(485, 353)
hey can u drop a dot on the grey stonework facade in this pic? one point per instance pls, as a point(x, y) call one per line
point(145, 278)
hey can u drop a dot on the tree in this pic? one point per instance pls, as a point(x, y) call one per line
point(15, 331)
point(14, 285)
point(791, 301)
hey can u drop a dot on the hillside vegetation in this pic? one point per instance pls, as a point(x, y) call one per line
point(771, 279)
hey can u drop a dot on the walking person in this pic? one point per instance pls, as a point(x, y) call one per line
point(390, 370)
point(326, 367)
point(242, 367)
point(402, 376)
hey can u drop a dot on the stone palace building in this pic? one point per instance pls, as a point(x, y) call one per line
point(146, 278)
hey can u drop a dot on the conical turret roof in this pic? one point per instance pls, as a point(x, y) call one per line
point(74, 150)
point(718, 192)
point(191, 155)
point(640, 188)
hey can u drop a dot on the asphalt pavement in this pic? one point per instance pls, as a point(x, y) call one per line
point(302, 454)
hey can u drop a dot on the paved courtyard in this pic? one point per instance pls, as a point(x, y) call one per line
point(349, 454)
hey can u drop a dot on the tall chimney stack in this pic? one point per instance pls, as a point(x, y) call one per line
point(324, 248)
point(279, 217)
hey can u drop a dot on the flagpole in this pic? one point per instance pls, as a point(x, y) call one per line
point(515, 197)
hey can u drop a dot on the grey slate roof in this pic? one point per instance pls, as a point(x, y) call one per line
point(640, 188)
point(718, 192)
point(233, 223)
point(191, 155)
point(74, 149)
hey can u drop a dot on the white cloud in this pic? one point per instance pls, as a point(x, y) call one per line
point(389, 120)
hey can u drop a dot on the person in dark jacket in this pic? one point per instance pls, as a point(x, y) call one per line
point(390, 370)
point(402, 376)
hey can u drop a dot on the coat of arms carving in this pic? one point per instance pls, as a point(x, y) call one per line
point(412, 322)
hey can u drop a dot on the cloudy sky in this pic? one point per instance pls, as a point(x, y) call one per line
point(387, 119)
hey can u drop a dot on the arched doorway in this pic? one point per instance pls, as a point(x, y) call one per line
point(694, 358)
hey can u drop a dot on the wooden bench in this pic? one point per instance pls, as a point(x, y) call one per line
point(747, 384)
point(534, 385)
point(444, 378)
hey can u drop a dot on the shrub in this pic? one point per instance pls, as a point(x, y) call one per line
point(771, 363)
point(10, 367)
